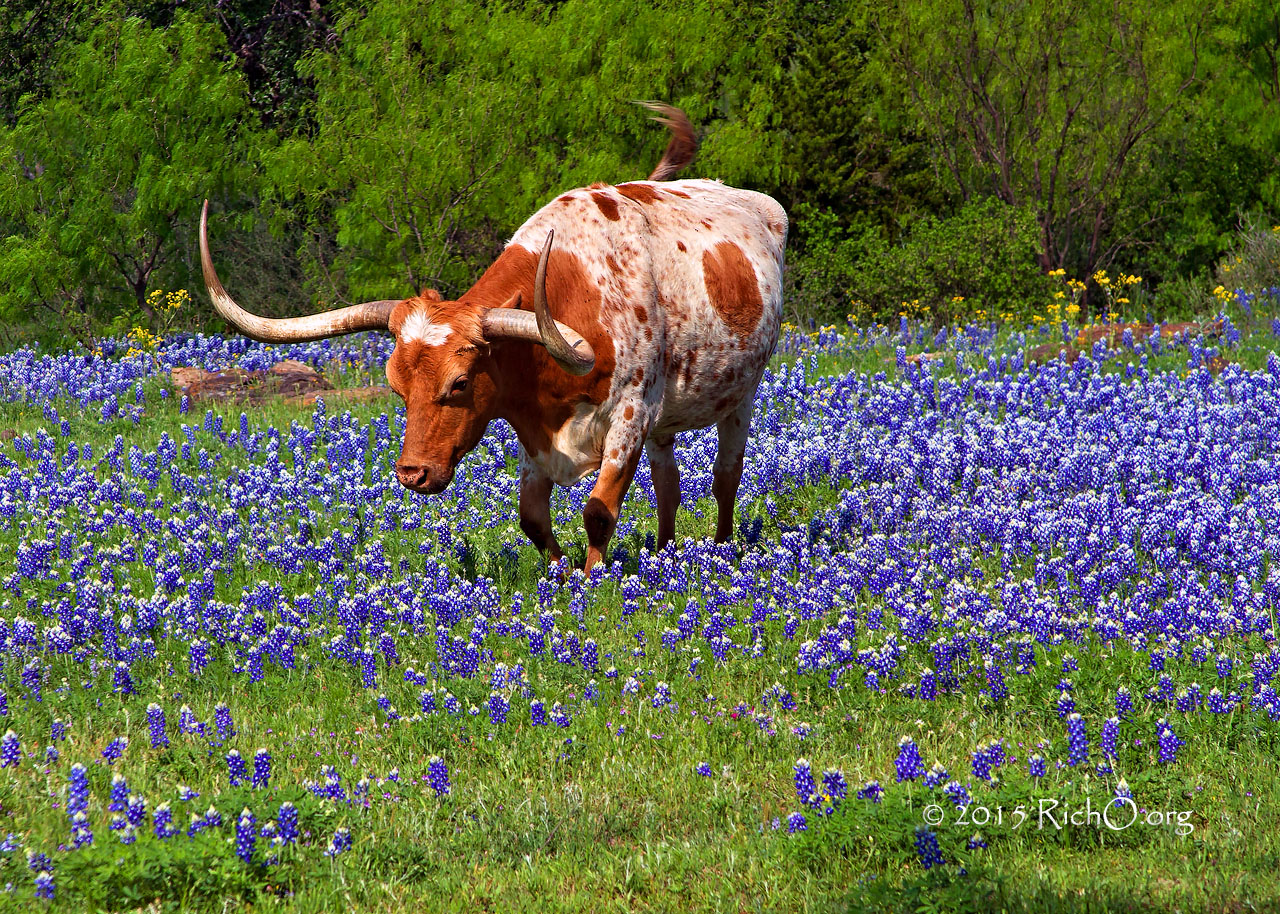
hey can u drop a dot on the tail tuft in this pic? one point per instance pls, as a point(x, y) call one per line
point(683, 146)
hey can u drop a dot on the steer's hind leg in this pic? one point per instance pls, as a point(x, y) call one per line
point(535, 507)
point(727, 471)
point(600, 516)
point(666, 485)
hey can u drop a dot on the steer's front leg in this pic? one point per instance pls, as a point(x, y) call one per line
point(535, 507)
point(600, 516)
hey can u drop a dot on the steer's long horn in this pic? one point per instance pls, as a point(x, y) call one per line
point(370, 315)
point(563, 343)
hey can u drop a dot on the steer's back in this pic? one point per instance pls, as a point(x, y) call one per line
point(690, 276)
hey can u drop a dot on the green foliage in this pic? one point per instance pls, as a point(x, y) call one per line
point(103, 177)
point(981, 259)
point(368, 150)
point(429, 152)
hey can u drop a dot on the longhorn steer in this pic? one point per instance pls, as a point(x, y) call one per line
point(666, 296)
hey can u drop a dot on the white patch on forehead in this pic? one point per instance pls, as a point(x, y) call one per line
point(419, 328)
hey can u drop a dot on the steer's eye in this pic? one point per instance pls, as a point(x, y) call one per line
point(459, 386)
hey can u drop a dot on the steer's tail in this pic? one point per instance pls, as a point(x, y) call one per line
point(683, 146)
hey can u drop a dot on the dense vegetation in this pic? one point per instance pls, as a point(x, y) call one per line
point(931, 154)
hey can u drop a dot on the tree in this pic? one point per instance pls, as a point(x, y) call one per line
point(1052, 104)
point(103, 177)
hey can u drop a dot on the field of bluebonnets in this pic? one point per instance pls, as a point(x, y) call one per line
point(992, 635)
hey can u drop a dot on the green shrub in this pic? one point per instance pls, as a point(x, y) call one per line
point(979, 261)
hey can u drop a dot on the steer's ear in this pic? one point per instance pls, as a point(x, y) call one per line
point(398, 316)
point(430, 295)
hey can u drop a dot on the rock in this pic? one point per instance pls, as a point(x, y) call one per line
point(918, 357)
point(1207, 328)
point(1050, 351)
point(288, 379)
point(347, 395)
point(1114, 333)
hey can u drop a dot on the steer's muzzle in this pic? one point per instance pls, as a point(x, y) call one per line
point(425, 479)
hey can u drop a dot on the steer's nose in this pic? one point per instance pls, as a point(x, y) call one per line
point(412, 477)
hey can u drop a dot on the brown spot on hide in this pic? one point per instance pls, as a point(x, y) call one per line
point(680, 245)
point(641, 193)
point(638, 377)
point(679, 193)
point(608, 206)
point(612, 264)
point(732, 287)
point(642, 314)
point(627, 414)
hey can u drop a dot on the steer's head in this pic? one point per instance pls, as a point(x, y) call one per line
point(442, 366)
point(443, 370)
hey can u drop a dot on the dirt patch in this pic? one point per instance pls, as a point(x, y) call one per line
point(290, 381)
point(1114, 333)
point(1050, 351)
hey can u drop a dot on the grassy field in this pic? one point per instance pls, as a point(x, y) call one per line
point(960, 554)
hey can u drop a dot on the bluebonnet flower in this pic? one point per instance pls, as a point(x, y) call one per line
point(908, 764)
point(77, 790)
point(340, 842)
point(703, 769)
point(957, 793)
point(163, 821)
point(1107, 739)
point(1124, 702)
point(39, 862)
point(1122, 793)
point(246, 835)
point(212, 818)
point(438, 775)
point(936, 776)
point(57, 730)
point(122, 680)
point(996, 687)
point(222, 720)
point(928, 849)
point(871, 791)
point(155, 723)
point(661, 695)
point(119, 798)
point(45, 887)
point(10, 750)
point(1169, 742)
point(288, 819)
point(1037, 767)
point(806, 787)
point(1077, 741)
point(834, 783)
point(261, 768)
point(136, 810)
point(796, 822)
point(498, 707)
point(115, 749)
point(236, 768)
point(81, 834)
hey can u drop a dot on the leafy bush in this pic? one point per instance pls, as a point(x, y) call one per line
point(981, 259)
